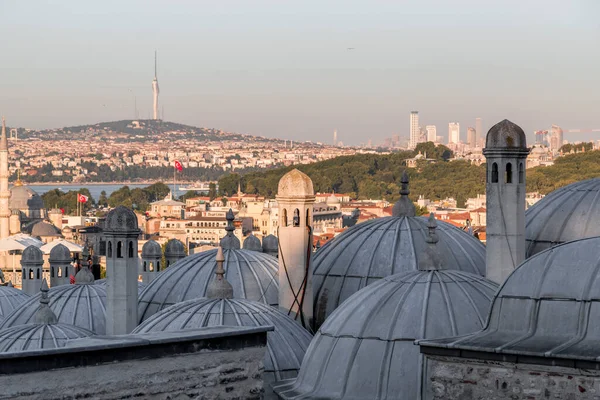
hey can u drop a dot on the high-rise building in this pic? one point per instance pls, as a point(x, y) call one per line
point(155, 91)
point(471, 137)
point(556, 138)
point(431, 133)
point(453, 133)
point(415, 130)
point(478, 130)
point(4, 191)
point(335, 137)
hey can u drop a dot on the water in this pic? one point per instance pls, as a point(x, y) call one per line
point(95, 190)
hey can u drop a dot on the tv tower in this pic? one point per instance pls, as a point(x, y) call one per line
point(335, 142)
point(155, 90)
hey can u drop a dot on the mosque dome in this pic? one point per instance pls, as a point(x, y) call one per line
point(332, 199)
point(366, 346)
point(10, 299)
point(174, 249)
point(141, 285)
point(547, 307)
point(121, 219)
point(60, 254)
point(43, 228)
point(25, 198)
point(382, 247)
point(295, 184)
point(569, 213)
point(505, 134)
point(253, 276)
point(151, 249)
point(270, 244)
point(286, 345)
point(32, 254)
point(82, 305)
point(252, 243)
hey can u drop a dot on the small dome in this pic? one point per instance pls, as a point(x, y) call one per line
point(229, 241)
point(25, 198)
point(44, 228)
point(174, 249)
point(506, 134)
point(151, 249)
point(548, 307)
point(382, 247)
point(367, 345)
point(270, 244)
point(102, 282)
point(10, 299)
point(569, 213)
point(60, 254)
point(67, 229)
point(32, 254)
point(80, 305)
point(286, 345)
point(404, 207)
point(252, 243)
point(121, 219)
point(295, 184)
point(332, 199)
point(253, 276)
point(39, 336)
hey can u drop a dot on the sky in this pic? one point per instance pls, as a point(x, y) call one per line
point(284, 69)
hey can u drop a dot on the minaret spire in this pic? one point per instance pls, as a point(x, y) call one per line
point(4, 192)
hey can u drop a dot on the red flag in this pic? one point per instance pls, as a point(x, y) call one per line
point(178, 166)
point(62, 210)
point(82, 198)
point(71, 279)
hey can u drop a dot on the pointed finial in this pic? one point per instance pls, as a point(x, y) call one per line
point(3, 139)
point(84, 276)
point(18, 181)
point(44, 315)
point(219, 288)
point(230, 217)
point(404, 181)
point(432, 236)
point(404, 207)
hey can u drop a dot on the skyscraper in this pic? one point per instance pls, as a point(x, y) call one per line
point(4, 191)
point(471, 137)
point(431, 133)
point(155, 91)
point(478, 130)
point(556, 138)
point(335, 137)
point(453, 133)
point(415, 131)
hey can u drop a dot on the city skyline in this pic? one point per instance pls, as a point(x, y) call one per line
point(300, 71)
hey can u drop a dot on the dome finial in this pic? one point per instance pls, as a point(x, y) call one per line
point(404, 207)
point(230, 241)
point(431, 226)
point(84, 276)
point(219, 288)
point(230, 217)
point(44, 315)
point(431, 259)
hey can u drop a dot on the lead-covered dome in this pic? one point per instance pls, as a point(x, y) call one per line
point(505, 134)
point(174, 249)
point(151, 249)
point(286, 345)
point(253, 276)
point(270, 244)
point(295, 184)
point(366, 350)
point(82, 305)
point(121, 219)
point(39, 336)
point(141, 285)
point(252, 243)
point(382, 247)
point(24, 198)
point(60, 254)
point(10, 299)
point(569, 213)
point(32, 254)
point(43, 228)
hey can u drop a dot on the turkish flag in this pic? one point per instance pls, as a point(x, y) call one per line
point(178, 166)
point(62, 210)
point(81, 198)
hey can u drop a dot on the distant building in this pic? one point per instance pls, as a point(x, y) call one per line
point(471, 137)
point(478, 129)
point(415, 131)
point(453, 133)
point(556, 138)
point(431, 133)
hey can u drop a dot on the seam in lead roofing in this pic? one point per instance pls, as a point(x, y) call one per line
point(593, 206)
point(448, 303)
point(582, 324)
point(426, 298)
point(540, 209)
point(356, 346)
point(467, 295)
point(567, 217)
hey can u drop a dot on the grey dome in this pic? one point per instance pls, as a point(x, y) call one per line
point(175, 249)
point(141, 285)
point(365, 349)
point(252, 243)
point(286, 345)
point(39, 336)
point(80, 305)
point(59, 254)
point(295, 184)
point(506, 134)
point(43, 228)
point(270, 244)
point(10, 299)
point(32, 254)
point(151, 249)
point(253, 276)
point(548, 307)
point(25, 198)
point(121, 219)
point(569, 213)
point(382, 247)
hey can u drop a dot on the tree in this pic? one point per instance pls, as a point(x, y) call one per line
point(103, 200)
point(188, 195)
point(224, 201)
point(212, 191)
point(228, 184)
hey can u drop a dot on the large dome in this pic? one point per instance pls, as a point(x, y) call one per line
point(569, 213)
point(39, 336)
point(549, 307)
point(365, 349)
point(10, 299)
point(82, 305)
point(253, 276)
point(44, 228)
point(102, 282)
point(25, 198)
point(286, 345)
point(382, 247)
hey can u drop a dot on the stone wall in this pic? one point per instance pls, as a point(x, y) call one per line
point(452, 378)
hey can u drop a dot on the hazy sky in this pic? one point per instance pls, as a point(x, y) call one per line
point(282, 68)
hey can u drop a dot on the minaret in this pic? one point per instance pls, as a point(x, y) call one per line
point(121, 232)
point(506, 153)
point(4, 192)
point(155, 91)
point(295, 196)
